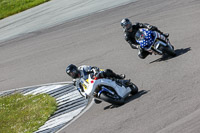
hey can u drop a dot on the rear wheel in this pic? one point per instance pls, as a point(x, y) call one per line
point(134, 89)
point(113, 99)
point(168, 50)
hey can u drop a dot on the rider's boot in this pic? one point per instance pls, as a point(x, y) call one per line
point(121, 76)
point(126, 82)
point(166, 35)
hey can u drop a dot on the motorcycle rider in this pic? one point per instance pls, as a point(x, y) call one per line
point(83, 71)
point(130, 31)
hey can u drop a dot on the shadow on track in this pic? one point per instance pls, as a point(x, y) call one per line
point(128, 99)
point(178, 53)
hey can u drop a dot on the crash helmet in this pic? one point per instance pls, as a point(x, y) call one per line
point(126, 24)
point(72, 71)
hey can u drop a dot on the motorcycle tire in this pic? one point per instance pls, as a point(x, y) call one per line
point(168, 51)
point(134, 89)
point(110, 99)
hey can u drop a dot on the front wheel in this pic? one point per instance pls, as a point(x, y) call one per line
point(113, 99)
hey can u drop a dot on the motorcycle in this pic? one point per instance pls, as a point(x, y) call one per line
point(154, 42)
point(113, 91)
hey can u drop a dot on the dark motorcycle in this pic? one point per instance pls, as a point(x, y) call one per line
point(154, 42)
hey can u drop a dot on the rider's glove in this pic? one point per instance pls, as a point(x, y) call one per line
point(74, 82)
point(133, 46)
point(138, 46)
point(149, 27)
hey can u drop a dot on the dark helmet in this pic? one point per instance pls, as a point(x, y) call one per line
point(72, 71)
point(126, 24)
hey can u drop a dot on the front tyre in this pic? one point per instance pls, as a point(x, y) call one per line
point(116, 100)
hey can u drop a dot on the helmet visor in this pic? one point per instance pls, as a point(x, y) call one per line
point(72, 73)
point(127, 27)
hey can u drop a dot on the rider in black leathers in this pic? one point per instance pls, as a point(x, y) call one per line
point(130, 31)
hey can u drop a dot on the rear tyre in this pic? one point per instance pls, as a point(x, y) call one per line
point(116, 100)
point(168, 51)
point(134, 89)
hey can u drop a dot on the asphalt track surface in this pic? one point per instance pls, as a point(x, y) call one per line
point(168, 100)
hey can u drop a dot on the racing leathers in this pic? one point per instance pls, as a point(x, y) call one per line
point(107, 73)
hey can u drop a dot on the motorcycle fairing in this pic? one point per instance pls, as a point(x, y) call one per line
point(151, 40)
point(93, 84)
point(104, 89)
point(145, 38)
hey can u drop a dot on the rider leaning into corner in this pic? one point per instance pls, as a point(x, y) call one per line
point(130, 31)
point(83, 71)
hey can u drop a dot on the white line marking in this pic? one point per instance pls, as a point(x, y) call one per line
point(60, 119)
point(44, 89)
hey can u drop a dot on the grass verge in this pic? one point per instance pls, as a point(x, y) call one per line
point(20, 114)
point(10, 7)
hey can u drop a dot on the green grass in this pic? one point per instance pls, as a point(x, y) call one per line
point(25, 114)
point(10, 7)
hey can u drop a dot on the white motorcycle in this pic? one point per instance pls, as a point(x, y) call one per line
point(113, 91)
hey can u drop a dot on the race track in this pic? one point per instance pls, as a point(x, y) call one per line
point(168, 100)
